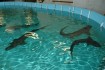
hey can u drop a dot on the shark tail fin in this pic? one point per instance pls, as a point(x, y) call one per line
point(71, 54)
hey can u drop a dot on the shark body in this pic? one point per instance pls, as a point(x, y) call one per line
point(88, 41)
point(21, 40)
point(84, 30)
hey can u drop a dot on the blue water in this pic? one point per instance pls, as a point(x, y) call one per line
point(47, 52)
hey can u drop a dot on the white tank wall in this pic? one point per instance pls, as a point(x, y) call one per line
point(96, 5)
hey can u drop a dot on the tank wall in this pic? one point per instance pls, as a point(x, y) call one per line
point(95, 5)
point(81, 11)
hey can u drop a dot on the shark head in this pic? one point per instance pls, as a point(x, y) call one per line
point(9, 47)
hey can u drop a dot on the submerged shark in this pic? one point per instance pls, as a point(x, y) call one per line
point(21, 40)
point(84, 30)
point(88, 41)
point(20, 26)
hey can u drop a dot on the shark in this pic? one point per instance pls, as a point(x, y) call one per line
point(21, 40)
point(20, 26)
point(84, 30)
point(88, 41)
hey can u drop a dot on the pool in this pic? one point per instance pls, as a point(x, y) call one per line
point(46, 50)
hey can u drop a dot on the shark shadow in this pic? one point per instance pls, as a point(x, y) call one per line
point(84, 30)
point(21, 40)
point(88, 41)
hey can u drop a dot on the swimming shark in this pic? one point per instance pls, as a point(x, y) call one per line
point(88, 41)
point(21, 40)
point(84, 30)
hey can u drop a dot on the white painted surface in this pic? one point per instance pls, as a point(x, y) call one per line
point(96, 5)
